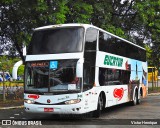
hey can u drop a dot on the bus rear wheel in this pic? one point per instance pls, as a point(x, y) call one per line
point(135, 100)
point(100, 105)
point(140, 97)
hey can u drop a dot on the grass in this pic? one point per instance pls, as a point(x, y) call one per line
point(153, 90)
point(9, 102)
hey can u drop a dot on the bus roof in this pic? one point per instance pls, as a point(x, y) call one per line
point(85, 26)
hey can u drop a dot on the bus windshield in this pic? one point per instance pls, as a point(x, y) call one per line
point(58, 40)
point(43, 77)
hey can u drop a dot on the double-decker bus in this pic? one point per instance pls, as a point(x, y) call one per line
point(80, 68)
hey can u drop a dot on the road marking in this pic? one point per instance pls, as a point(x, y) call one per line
point(16, 114)
point(11, 117)
point(4, 108)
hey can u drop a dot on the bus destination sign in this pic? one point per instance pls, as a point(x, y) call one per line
point(39, 64)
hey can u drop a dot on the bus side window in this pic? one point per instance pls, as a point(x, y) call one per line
point(102, 76)
point(91, 39)
point(121, 46)
point(109, 76)
point(107, 43)
point(103, 44)
point(125, 76)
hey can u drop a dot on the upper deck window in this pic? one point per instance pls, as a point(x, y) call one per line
point(111, 44)
point(59, 40)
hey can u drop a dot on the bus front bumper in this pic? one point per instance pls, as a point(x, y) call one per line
point(55, 109)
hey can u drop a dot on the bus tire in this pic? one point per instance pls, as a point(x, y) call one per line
point(100, 105)
point(135, 99)
point(140, 96)
point(139, 100)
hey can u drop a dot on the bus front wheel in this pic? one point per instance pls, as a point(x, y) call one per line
point(97, 112)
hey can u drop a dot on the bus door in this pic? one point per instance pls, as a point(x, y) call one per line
point(89, 66)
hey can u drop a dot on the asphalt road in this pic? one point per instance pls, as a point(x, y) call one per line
point(148, 111)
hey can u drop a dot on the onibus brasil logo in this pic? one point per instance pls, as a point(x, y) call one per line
point(113, 61)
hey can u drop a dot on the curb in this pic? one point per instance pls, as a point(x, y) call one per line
point(14, 107)
point(154, 94)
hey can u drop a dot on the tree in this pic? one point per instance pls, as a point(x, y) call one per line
point(151, 25)
point(137, 21)
point(21, 70)
point(79, 12)
point(105, 16)
point(19, 17)
point(149, 54)
point(5, 65)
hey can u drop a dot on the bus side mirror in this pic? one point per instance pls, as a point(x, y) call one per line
point(79, 68)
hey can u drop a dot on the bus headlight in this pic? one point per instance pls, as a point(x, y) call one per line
point(28, 101)
point(74, 101)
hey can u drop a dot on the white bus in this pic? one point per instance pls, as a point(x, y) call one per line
point(80, 68)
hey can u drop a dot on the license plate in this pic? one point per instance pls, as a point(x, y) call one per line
point(48, 109)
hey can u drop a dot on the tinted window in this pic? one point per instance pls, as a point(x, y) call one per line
point(91, 39)
point(113, 76)
point(106, 43)
point(89, 74)
point(61, 40)
point(110, 44)
point(40, 77)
